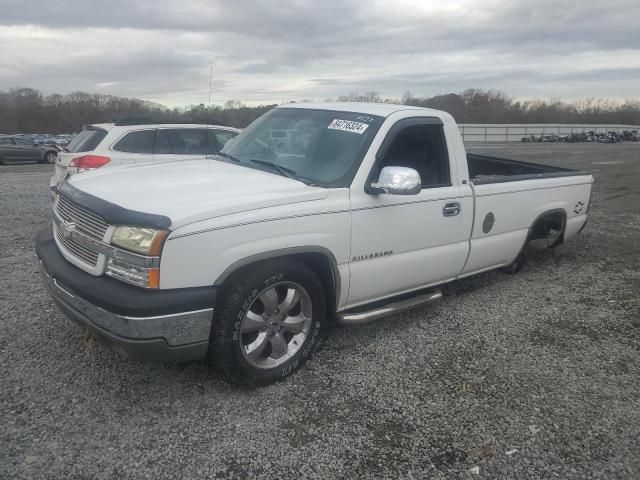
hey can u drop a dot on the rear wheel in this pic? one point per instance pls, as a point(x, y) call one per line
point(547, 231)
point(514, 267)
point(49, 157)
point(268, 321)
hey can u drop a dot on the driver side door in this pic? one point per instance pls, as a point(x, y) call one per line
point(7, 149)
point(402, 243)
point(26, 150)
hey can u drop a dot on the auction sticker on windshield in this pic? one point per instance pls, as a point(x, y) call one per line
point(348, 126)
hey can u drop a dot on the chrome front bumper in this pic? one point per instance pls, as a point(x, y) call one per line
point(164, 338)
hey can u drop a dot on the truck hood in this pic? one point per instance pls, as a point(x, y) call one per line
point(188, 191)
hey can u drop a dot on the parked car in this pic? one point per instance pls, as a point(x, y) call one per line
point(58, 140)
point(61, 140)
point(245, 256)
point(17, 149)
point(550, 138)
point(112, 144)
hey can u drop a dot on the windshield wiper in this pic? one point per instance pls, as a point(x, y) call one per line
point(284, 171)
point(227, 156)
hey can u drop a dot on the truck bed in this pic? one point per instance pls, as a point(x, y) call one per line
point(485, 169)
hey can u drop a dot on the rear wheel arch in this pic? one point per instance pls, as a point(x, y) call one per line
point(539, 229)
point(543, 223)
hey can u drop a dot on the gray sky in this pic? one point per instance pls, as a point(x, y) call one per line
point(267, 51)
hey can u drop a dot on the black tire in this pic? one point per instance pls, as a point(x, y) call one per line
point(47, 157)
point(514, 267)
point(237, 296)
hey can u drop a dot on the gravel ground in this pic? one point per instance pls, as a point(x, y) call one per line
point(534, 375)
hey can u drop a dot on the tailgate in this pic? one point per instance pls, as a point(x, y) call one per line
point(62, 162)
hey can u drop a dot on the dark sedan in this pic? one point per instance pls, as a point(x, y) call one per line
point(16, 149)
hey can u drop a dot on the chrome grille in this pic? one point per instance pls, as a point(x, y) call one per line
point(87, 222)
point(77, 249)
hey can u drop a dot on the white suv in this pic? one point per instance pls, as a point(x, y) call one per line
point(112, 144)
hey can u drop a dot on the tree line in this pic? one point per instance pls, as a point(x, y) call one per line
point(491, 106)
point(25, 110)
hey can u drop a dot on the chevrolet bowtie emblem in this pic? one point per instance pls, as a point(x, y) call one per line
point(68, 228)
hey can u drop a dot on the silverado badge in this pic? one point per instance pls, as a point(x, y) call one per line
point(368, 256)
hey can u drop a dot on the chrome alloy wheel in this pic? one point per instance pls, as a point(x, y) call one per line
point(50, 157)
point(276, 325)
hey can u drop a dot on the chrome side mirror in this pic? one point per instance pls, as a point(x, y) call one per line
point(398, 181)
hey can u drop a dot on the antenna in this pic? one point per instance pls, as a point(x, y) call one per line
point(210, 84)
point(209, 107)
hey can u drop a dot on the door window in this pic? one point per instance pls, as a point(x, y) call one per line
point(137, 142)
point(423, 148)
point(222, 137)
point(185, 141)
point(162, 142)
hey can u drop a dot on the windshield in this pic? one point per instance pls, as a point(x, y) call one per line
point(321, 147)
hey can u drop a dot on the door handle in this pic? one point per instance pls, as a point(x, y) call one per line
point(451, 209)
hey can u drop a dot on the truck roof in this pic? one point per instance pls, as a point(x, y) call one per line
point(380, 109)
point(109, 126)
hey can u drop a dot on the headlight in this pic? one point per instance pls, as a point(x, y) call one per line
point(145, 241)
point(140, 240)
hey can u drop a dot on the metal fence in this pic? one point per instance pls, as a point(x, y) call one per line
point(513, 132)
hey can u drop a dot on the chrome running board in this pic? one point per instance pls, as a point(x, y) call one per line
point(358, 316)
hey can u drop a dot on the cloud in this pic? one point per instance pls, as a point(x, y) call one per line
point(280, 51)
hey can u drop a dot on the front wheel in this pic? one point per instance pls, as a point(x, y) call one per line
point(269, 319)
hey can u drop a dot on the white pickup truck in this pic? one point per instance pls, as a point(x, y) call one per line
point(359, 211)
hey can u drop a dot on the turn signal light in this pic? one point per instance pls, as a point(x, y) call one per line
point(89, 162)
point(140, 276)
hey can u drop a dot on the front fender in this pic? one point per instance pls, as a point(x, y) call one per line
point(206, 255)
